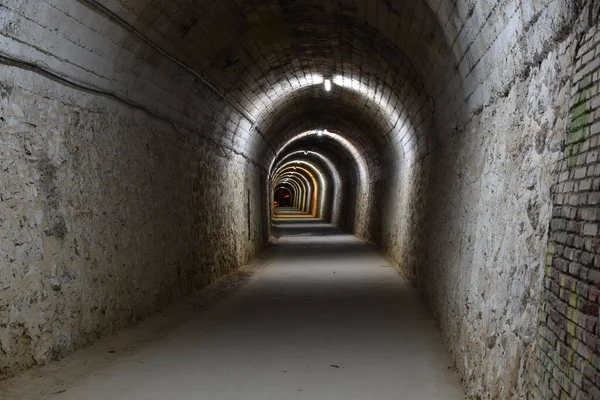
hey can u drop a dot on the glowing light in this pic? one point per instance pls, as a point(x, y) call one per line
point(386, 101)
point(379, 97)
point(279, 90)
point(321, 187)
point(356, 155)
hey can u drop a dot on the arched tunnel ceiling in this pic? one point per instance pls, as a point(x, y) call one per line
point(360, 162)
point(262, 52)
point(320, 149)
point(261, 39)
point(335, 111)
point(318, 160)
point(296, 120)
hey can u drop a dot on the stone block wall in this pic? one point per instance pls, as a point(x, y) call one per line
point(479, 203)
point(568, 345)
point(123, 187)
point(487, 228)
point(403, 207)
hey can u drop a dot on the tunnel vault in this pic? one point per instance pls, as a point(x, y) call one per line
point(143, 143)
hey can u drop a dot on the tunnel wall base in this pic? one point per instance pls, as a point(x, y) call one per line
point(106, 215)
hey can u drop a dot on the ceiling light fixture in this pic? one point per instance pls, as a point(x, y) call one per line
point(327, 85)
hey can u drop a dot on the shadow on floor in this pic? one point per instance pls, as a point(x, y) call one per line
point(312, 227)
point(325, 317)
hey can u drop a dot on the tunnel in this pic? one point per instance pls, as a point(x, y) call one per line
point(276, 199)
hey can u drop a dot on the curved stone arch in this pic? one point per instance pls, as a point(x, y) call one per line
point(311, 182)
point(306, 186)
point(309, 185)
point(299, 190)
point(323, 188)
point(383, 103)
point(389, 138)
point(364, 195)
point(346, 144)
point(337, 181)
point(286, 189)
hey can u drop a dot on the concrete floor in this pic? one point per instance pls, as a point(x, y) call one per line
point(327, 318)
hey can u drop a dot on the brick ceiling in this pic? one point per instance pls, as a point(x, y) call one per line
point(262, 56)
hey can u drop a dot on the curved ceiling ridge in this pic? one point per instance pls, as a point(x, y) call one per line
point(264, 53)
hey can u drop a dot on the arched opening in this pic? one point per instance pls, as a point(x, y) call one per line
point(283, 197)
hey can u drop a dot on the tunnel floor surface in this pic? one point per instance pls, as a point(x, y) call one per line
point(325, 318)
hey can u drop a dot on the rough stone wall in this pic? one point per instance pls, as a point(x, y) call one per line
point(348, 194)
point(569, 348)
point(469, 222)
point(487, 230)
point(106, 215)
point(365, 214)
point(403, 208)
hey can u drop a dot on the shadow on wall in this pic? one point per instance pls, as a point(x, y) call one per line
point(405, 201)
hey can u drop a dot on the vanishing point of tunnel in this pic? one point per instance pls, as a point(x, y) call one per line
point(300, 199)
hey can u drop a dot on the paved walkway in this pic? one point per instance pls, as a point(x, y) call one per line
point(326, 319)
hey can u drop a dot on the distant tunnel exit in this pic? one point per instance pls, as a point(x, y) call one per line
point(283, 197)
